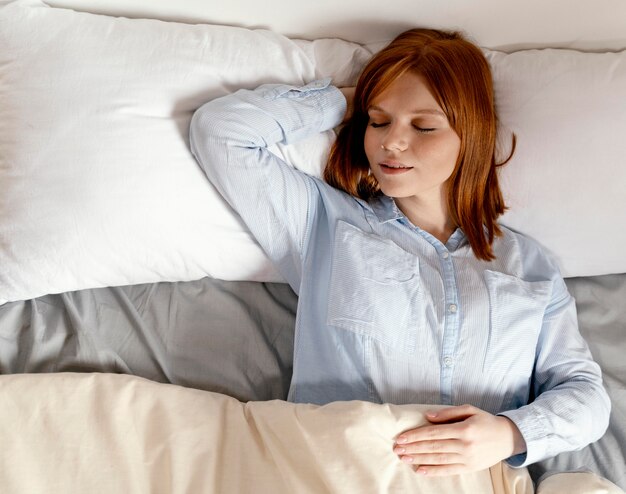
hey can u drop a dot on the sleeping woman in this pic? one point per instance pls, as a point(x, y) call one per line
point(409, 289)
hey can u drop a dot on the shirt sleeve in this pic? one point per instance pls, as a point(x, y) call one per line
point(571, 407)
point(229, 137)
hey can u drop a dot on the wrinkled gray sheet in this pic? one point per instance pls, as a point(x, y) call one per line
point(237, 338)
point(234, 338)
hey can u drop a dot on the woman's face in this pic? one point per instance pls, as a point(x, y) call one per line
point(410, 146)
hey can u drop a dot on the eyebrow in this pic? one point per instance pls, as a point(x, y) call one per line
point(414, 112)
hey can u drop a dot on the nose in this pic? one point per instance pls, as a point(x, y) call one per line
point(395, 139)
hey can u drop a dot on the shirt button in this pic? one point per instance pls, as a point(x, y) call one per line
point(447, 361)
point(445, 255)
point(453, 308)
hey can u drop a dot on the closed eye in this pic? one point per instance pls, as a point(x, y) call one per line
point(423, 130)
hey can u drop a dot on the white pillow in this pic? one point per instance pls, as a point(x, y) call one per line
point(99, 187)
point(566, 183)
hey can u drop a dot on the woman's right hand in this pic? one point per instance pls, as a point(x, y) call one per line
point(348, 93)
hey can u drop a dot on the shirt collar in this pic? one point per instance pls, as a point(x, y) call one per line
point(386, 210)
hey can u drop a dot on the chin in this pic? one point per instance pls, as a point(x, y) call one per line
point(395, 192)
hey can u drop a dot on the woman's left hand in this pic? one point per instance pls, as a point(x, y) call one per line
point(459, 440)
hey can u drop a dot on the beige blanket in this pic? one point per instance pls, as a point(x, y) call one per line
point(107, 433)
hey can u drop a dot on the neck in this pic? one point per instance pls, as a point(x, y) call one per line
point(432, 217)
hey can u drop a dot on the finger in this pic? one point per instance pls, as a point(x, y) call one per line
point(452, 414)
point(425, 447)
point(441, 470)
point(430, 433)
point(434, 459)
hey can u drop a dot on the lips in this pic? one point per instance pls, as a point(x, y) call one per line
point(394, 167)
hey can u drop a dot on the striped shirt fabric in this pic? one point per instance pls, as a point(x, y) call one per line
point(388, 313)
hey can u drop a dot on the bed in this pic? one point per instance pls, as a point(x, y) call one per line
point(145, 340)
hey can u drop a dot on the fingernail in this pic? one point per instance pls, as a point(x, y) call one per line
point(421, 471)
point(431, 414)
point(407, 459)
point(402, 439)
point(399, 451)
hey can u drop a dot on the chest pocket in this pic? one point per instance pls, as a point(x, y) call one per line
point(374, 288)
point(516, 309)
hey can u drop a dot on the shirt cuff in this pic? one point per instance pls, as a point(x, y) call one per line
point(529, 422)
point(333, 105)
point(328, 101)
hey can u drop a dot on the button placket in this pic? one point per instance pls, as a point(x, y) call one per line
point(451, 325)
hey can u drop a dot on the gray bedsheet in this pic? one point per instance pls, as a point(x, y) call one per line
point(237, 338)
point(230, 337)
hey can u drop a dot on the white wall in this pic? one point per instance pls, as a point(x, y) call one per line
point(503, 24)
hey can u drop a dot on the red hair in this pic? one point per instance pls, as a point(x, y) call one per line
point(459, 78)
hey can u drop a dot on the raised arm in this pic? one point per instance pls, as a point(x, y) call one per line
point(229, 137)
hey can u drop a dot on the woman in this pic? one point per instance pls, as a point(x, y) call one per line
point(409, 290)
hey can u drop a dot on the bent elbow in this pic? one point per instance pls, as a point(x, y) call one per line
point(598, 414)
point(206, 143)
point(200, 128)
point(214, 124)
point(604, 413)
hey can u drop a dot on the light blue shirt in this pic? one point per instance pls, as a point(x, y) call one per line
point(386, 312)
